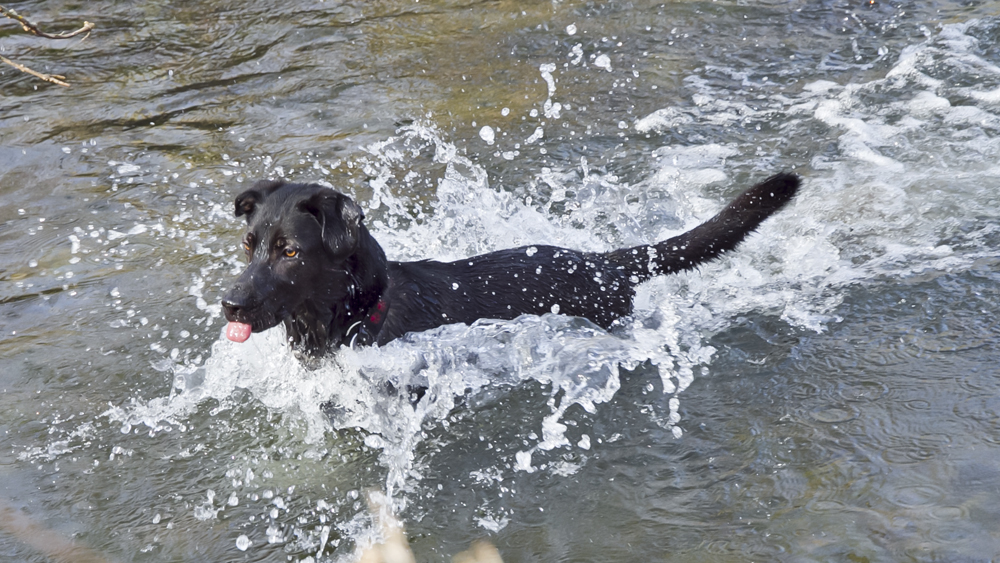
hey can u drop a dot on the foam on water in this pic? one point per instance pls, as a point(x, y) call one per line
point(906, 191)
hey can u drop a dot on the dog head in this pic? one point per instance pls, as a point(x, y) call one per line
point(301, 243)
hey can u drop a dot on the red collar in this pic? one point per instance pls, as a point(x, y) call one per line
point(378, 312)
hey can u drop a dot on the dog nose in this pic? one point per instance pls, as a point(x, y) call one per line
point(231, 308)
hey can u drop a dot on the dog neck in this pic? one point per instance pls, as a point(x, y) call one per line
point(365, 332)
point(354, 314)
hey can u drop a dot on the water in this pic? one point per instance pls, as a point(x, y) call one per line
point(826, 392)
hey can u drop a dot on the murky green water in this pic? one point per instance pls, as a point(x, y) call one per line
point(828, 392)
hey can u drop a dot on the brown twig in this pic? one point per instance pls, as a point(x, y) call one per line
point(34, 30)
point(46, 77)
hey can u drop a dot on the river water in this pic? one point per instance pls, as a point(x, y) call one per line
point(827, 392)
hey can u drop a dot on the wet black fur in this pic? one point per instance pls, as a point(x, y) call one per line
point(315, 267)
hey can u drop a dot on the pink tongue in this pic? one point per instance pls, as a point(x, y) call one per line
point(238, 332)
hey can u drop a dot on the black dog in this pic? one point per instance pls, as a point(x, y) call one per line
point(315, 268)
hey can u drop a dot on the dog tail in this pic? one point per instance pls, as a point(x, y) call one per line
point(713, 237)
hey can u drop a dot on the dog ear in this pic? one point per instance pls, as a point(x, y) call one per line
point(339, 218)
point(247, 201)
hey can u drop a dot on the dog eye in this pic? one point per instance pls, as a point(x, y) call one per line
point(291, 252)
point(246, 247)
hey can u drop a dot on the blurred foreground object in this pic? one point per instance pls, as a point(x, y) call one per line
point(395, 549)
point(53, 546)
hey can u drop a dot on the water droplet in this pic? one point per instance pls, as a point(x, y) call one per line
point(487, 134)
point(523, 462)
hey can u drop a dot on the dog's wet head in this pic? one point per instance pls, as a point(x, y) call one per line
point(299, 241)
